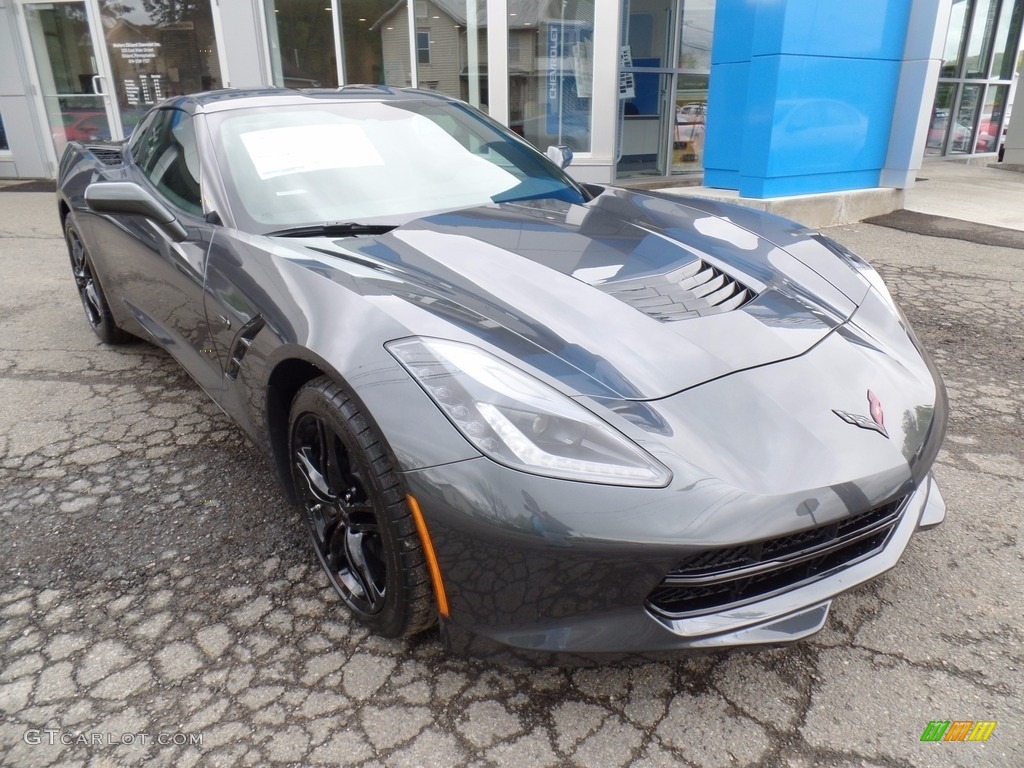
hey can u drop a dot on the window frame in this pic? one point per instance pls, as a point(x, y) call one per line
point(156, 127)
point(421, 50)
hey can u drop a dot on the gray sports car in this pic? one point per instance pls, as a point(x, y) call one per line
point(555, 416)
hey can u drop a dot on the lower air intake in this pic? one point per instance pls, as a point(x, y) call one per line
point(713, 580)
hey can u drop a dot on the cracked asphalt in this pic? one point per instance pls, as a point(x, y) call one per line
point(160, 605)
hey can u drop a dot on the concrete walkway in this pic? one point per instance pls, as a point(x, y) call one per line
point(977, 191)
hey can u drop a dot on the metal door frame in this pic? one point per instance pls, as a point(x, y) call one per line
point(104, 71)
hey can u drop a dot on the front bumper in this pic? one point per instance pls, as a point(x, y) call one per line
point(802, 611)
point(632, 628)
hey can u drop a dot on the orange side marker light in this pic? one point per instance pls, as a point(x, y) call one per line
point(428, 550)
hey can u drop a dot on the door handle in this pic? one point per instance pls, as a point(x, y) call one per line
point(96, 80)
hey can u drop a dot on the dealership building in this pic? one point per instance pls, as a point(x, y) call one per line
point(766, 98)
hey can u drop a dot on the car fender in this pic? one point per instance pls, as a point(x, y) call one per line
point(326, 324)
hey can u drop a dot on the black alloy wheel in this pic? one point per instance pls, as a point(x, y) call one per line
point(354, 506)
point(97, 312)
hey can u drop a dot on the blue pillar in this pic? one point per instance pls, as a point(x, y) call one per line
point(802, 94)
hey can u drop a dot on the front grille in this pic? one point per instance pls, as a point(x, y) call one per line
point(694, 290)
point(726, 577)
point(107, 155)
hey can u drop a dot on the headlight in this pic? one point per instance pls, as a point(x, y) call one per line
point(520, 421)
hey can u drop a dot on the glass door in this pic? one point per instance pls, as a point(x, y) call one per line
point(157, 50)
point(71, 77)
point(646, 66)
point(696, 25)
point(101, 64)
point(664, 67)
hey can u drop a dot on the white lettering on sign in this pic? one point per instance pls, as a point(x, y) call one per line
point(138, 53)
point(554, 60)
point(131, 92)
point(158, 88)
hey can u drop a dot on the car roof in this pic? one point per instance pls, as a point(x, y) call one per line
point(240, 98)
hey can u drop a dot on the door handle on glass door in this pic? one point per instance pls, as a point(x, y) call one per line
point(96, 79)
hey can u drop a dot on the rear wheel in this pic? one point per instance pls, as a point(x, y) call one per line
point(97, 312)
point(354, 505)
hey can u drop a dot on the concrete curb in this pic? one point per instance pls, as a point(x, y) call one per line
point(815, 211)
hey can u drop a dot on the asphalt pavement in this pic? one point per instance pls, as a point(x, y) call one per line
point(160, 604)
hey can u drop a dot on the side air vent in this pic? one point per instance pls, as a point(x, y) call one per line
point(696, 290)
point(107, 155)
point(243, 341)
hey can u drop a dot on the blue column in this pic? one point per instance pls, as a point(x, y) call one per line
point(802, 94)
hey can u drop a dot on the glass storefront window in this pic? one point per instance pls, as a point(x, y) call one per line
point(990, 127)
point(980, 54)
point(940, 119)
point(958, 19)
point(473, 76)
point(962, 129)
point(158, 50)
point(4, 146)
point(696, 24)
point(550, 89)
point(980, 42)
point(302, 40)
point(691, 108)
point(1007, 34)
point(451, 48)
point(361, 44)
point(393, 27)
point(301, 34)
point(450, 38)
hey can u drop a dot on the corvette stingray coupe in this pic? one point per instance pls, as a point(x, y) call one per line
point(553, 416)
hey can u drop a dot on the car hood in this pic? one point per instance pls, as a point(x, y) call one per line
point(605, 288)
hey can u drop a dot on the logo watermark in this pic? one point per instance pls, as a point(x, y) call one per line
point(958, 730)
point(51, 736)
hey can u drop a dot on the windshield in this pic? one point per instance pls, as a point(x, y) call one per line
point(382, 162)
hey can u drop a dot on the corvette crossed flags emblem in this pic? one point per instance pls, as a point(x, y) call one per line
point(876, 421)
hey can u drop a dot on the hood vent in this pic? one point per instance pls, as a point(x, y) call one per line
point(107, 155)
point(696, 290)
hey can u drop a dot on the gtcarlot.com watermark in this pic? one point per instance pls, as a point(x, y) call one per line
point(50, 736)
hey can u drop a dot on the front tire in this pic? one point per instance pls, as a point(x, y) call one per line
point(354, 505)
point(97, 311)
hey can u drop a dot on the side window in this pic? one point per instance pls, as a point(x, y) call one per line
point(139, 134)
point(168, 156)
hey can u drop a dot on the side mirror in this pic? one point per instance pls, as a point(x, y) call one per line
point(560, 155)
point(128, 198)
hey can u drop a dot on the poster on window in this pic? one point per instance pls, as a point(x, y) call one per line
point(627, 85)
point(569, 78)
point(583, 68)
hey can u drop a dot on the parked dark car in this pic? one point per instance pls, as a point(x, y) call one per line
point(557, 416)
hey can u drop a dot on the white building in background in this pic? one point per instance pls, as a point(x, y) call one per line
point(770, 99)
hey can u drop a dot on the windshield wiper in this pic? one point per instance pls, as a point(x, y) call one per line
point(331, 228)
